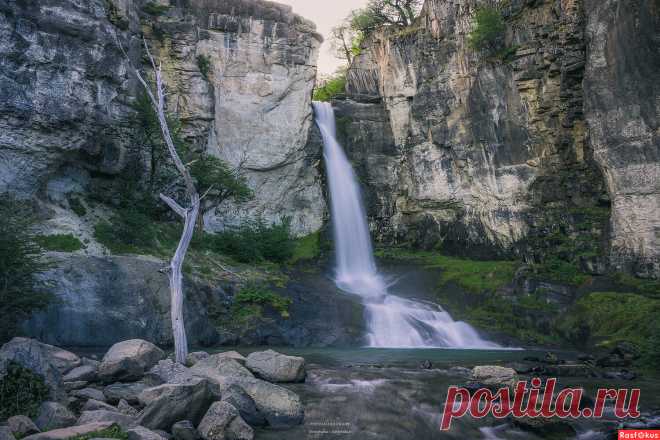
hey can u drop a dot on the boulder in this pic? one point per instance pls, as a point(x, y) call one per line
point(175, 402)
point(94, 405)
point(223, 422)
point(71, 432)
point(168, 371)
point(53, 415)
point(89, 393)
point(195, 357)
point(239, 399)
point(185, 430)
point(217, 367)
point(5, 433)
point(72, 386)
point(126, 391)
point(142, 433)
point(44, 360)
point(101, 415)
point(22, 426)
point(280, 407)
point(491, 375)
point(129, 360)
point(232, 355)
point(127, 409)
point(276, 367)
point(85, 373)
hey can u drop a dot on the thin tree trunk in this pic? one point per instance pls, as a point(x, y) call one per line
point(188, 215)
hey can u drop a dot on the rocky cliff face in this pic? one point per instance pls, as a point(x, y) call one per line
point(497, 154)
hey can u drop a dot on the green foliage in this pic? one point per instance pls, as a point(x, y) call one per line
point(560, 271)
point(129, 230)
point(219, 181)
point(60, 242)
point(21, 263)
point(379, 13)
point(21, 392)
point(306, 248)
point(204, 65)
point(250, 301)
point(488, 31)
point(77, 206)
point(332, 88)
point(255, 241)
point(112, 432)
point(153, 8)
point(646, 287)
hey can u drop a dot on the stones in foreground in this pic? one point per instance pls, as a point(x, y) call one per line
point(136, 389)
point(276, 367)
point(494, 376)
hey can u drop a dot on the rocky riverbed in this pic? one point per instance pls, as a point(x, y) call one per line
point(136, 390)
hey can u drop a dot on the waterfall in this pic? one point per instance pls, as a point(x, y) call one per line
point(392, 321)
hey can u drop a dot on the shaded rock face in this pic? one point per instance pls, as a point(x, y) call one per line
point(480, 153)
point(67, 122)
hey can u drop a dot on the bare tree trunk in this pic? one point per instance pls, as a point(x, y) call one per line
point(188, 215)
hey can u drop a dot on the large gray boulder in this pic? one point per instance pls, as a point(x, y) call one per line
point(217, 367)
point(168, 371)
point(86, 373)
point(129, 360)
point(175, 402)
point(142, 433)
point(239, 399)
point(53, 415)
point(89, 393)
point(71, 432)
point(124, 391)
point(195, 357)
point(44, 360)
point(491, 375)
point(94, 405)
point(124, 408)
point(276, 367)
point(22, 426)
point(223, 422)
point(101, 415)
point(185, 430)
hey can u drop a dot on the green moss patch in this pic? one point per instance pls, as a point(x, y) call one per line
point(332, 88)
point(112, 432)
point(21, 392)
point(306, 248)
point(60, 242)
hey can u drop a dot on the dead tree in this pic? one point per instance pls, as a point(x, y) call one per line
point(189, 215)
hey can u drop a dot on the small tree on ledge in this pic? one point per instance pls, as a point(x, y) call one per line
point(488, 31)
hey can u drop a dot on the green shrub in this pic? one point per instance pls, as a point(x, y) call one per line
point(560, 271)
point(488, 31)
point(306, 248)
point(77, 206)
point(112, 432)
point(333, 87)
point(255, 241)
point(60, 242)
point(129, 230)
point(21, 392)
point(204, 65)
point(21, 262)
point(251, 300)
point(153, 8)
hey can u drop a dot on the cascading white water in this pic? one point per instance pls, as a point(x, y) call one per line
point(392, 321)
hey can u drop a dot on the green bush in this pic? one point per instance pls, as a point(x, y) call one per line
point(306, 248)
point(153, 8)
point(21, 392)
point(112, 432)
point(255, 241)
point(60, 242)
point(21, 262)
point(250, 301)
point(129, 230)
point(77, 206)
point(488, 31)
point(204, 65)
point(333, 87)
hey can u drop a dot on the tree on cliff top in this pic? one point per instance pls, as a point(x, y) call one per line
point(21, 263)
point(380, 13)
point(488, 31)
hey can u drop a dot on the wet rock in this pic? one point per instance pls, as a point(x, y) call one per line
point(168, 371)
point(6, 434)
point(195, 357)
point(85, 373)
point(460, 371)
point(115, 417)
point(129, 392)
point(552, 429)
point(176, 402)
point(124, 408)
point(565, 370)
point(89, 393)
point(222, 421)
point(95, 405)
point(142, 433)
point(129, 360)
point(426, 365)
point(245, 405)
point(185, 430)
point(71, 432)
point(53, 415)
point(276, 367)
point(620, 375)
point(22, 426)
point(73, 386)
point(491, 375)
